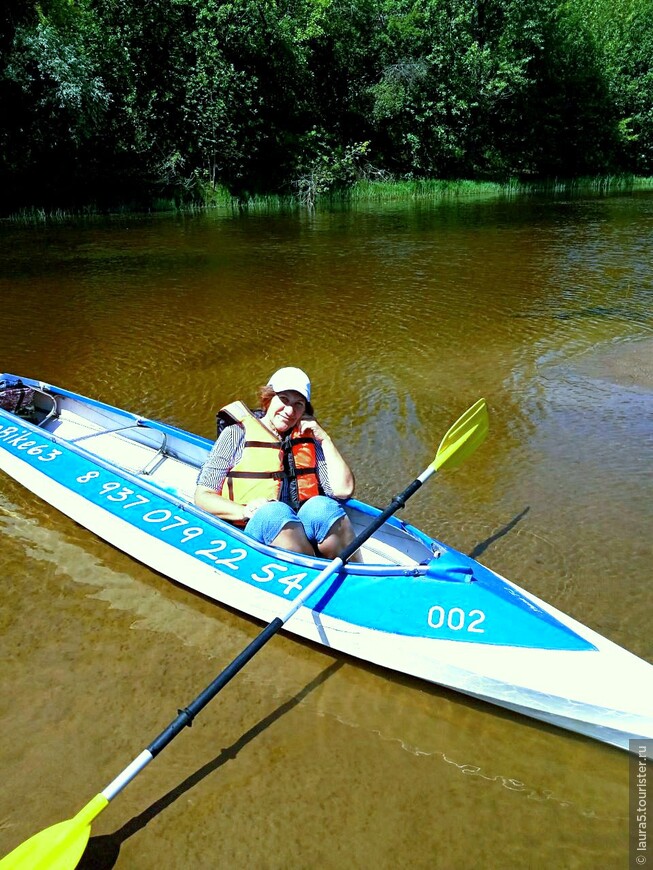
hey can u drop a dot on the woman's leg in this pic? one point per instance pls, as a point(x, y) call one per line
point(277, 524)
point(292, 537)
point(325, 522)
point(340, 535)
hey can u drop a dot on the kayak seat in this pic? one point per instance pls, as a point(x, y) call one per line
point(128, 446)
point(140, 449)
point(158, 457)
point(175, 476)
point(40, 407)
point(51, 410)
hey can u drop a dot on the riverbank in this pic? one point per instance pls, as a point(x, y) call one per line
point(363, 191)
point(388, 190)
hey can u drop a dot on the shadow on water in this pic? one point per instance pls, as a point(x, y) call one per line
point(480, 548)
point(102, 852)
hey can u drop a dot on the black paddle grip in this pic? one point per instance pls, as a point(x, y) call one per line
point(185, 717)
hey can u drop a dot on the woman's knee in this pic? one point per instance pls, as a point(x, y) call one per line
point(318, 506)
point(293, 537)
point(341, 534)
point(270, 520)
point(319, 515)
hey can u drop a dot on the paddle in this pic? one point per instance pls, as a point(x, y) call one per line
point(60, 846)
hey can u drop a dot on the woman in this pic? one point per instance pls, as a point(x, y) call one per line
point(277, 473)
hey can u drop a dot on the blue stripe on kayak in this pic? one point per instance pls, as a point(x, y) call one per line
point(430, 601)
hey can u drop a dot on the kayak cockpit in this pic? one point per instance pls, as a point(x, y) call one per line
point(168, 459)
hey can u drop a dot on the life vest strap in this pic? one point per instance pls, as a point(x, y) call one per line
point(258, 475)
point(269, 475)
point(274, 446)
point(299, 471)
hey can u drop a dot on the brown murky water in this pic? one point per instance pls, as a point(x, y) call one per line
point(403, 316)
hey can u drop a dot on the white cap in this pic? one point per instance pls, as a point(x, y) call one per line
point(290, 378)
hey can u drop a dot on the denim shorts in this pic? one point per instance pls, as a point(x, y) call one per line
point(317, 516)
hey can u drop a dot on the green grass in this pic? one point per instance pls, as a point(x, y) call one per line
point(426, 189)
point(382, 191)
point(439, 189)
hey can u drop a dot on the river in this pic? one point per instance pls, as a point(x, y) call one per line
point(403, 315)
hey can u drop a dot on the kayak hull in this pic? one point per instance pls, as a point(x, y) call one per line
point(414, 605)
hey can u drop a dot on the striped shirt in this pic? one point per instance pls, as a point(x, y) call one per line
point(228, 450)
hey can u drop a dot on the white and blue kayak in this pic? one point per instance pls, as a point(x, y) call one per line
point(413, 605)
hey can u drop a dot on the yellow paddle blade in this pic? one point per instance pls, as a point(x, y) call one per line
point(466, 434)
point(59, 847)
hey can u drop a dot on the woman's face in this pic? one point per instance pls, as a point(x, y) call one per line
point(286, 410)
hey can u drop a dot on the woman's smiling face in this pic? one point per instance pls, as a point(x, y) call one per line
point(286, 410)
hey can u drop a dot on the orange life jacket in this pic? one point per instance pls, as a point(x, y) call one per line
point(266, 461)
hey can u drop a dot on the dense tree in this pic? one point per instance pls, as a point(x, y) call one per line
point(623, 37)
point(125, 100)
point(53, 96)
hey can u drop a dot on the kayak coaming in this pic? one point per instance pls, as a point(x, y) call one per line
point(565, 680)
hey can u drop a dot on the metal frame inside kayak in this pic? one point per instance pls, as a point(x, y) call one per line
point(413, 605)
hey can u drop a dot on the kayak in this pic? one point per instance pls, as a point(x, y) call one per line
point(413, 604)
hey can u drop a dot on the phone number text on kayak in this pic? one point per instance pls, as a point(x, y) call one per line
point(217, 552)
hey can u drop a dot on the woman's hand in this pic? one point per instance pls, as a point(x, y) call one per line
point(252, 506)
point(341, 477)
point(209, 500)
point(312, 429)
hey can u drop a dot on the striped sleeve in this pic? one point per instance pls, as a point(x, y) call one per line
point(322, 471)
point(224, 454)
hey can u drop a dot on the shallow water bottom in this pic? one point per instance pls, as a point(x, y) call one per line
point(403, 318)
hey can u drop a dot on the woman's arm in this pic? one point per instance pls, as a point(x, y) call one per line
point(341, 477)
point(209, 500)
point(224, 454)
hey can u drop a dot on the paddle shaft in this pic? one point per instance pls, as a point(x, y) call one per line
point(61, 846)
point(186, 715)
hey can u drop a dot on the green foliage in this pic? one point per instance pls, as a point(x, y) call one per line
point(144, 100)
point(331, 169)
point(53, 84)
point(245, 93)
point(623, 35)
